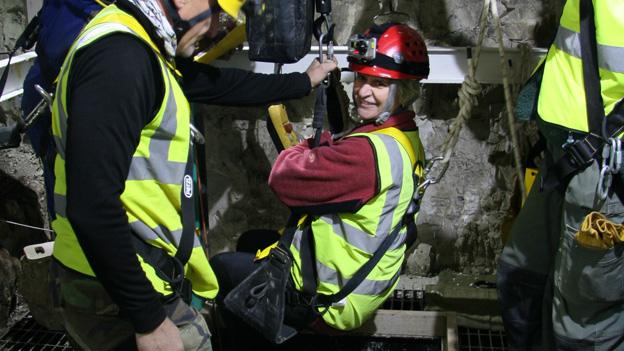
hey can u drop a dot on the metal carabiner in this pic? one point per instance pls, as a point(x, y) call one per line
point(431, 162)
point(615, 155)
point(604, 182)
point(423, 186)
point(321, 58)
point(196, 135)
point(42, 105)
point(430, 180)
point(44, 94)
point(330, 50)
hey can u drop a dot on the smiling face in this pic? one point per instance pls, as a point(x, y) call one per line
point(371, 95)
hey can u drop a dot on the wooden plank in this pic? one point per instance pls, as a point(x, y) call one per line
point(451, 342)
point(405, 324)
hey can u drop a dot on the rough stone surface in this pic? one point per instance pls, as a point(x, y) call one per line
point(421, 261)
point(9, 273)
point(22, 197)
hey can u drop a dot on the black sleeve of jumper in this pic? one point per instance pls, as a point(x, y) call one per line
point(115, 87)
point(236, 87)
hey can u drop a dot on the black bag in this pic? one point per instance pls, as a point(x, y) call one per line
point(282, 33)
point(260, 299)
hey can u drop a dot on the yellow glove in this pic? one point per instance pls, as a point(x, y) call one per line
point(598, 232)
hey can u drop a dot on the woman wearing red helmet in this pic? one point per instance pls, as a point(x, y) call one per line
point(357, 191)
point(392, 59)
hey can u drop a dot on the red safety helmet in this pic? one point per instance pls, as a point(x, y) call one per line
point(389, 50)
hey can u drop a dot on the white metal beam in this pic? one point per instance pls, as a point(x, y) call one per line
point(17, 72)
point(448, 65)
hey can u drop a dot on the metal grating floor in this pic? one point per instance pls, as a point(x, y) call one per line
point(27, 335)
point(405, 300)
point(472, 339)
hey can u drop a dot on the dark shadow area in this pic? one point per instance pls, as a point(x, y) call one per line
point(19, 204)
point(546, 28)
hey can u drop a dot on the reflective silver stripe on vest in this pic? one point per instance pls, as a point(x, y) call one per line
point(366, 287)
point(359, 238)
point(100, 29)
point(609, 57)
point(393, 194)
point(362, 240)
point(60, 146)
point(151, 234)
point(60, 205)
point(156, 166)
point(166, 172)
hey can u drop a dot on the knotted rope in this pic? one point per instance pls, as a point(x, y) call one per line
point(471, 89)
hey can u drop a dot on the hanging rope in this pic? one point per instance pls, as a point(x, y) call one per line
point(511, 120)
point(468, 98)
point(469, 93)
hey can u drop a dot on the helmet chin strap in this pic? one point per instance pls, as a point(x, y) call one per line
point(387, 107)
point(180, 26)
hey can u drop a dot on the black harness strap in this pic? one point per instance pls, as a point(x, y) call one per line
point(308, 261)
point(168, 268)
point(591, 75)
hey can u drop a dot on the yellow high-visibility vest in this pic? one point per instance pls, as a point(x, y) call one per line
point(152, 195)
point(343, 242)
point(562, 93)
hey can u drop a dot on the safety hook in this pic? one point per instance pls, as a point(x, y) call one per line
point(197, 136)
point(604, 182)
point(615, 155)
point(432, 180)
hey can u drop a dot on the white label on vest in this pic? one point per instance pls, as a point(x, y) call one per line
point(188, 186)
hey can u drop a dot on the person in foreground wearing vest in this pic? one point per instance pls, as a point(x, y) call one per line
point(127, 263)
point(560, 283)
point(355, 191)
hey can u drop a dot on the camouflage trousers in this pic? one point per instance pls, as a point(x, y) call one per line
point(92, 319)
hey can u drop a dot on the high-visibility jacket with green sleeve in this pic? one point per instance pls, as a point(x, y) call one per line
point(152, 196)
point(562, 93)
point(343, 242)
